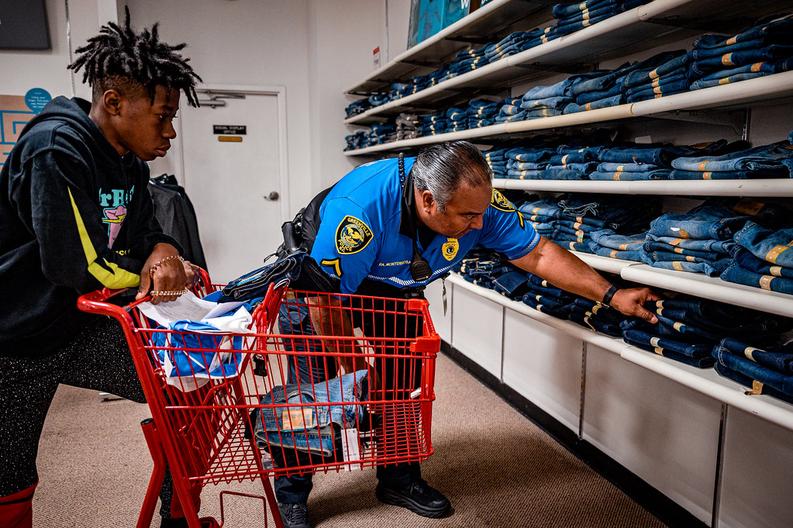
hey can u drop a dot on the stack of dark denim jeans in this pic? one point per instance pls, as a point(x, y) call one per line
point(698, 241)
point(481, 267)
point(542, 214)
point(760, 50)
point(496, 158)
point(765, 368)
point(467, 60)
point(510, 45)
point(357, 141)
point(357, 107)
point(510, 111)
point(481, 112)
point(432, 124)
point(546, 101)
point(527, 163)
point(767, 161)
point(378, 99)
point(381, 133)
point(688, 329)
point(457, 119)
point(574, 17)
point(653, 82)
point(407, 126)
point(762, 258)
point(639, 162)
point(571, 163)
point(399, 90)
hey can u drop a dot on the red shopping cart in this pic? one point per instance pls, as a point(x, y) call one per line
point(316, 403)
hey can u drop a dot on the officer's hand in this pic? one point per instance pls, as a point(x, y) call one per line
point(163, 275)
point(630, 301)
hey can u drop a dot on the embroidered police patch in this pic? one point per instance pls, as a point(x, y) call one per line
point(500, 202)
point(352, 235)
point(450, 248)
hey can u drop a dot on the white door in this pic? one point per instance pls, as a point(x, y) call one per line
point(234, 179)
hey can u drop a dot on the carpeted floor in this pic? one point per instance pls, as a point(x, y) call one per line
point(497, 468)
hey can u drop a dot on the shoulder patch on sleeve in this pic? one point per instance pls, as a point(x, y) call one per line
point(352, 235)
point(500, 202)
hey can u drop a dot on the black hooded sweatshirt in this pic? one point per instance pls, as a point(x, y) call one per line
point(74, 217)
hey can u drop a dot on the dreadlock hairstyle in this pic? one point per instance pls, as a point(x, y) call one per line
point(119, 58)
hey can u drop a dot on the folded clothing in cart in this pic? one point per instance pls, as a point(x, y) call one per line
point(307, 417)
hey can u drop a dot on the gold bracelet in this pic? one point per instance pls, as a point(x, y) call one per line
point(156, 266)
point(167, 293)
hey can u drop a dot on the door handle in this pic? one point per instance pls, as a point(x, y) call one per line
point(272, 197)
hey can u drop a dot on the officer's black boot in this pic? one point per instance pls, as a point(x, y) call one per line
point(418, 497)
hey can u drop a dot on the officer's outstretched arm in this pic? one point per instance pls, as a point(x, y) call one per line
point(566, 271)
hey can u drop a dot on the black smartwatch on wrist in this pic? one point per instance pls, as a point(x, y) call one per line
point(609, 295)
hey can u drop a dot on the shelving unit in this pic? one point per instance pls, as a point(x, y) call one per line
point(772, 187)
point(638, 29)
point(729, 96)
point(706, 381)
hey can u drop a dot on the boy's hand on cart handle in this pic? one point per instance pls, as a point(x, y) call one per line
point(163, 275)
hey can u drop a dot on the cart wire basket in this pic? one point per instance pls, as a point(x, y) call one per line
point(282, 398)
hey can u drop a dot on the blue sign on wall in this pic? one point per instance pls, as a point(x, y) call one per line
point(37, 99)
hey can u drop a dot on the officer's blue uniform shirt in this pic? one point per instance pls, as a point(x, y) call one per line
point(359, 236)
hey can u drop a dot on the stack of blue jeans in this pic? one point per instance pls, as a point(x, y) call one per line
point(467, 60)
point(767, 161)
point(546, 101)
point(496, 158)
point(609, 243)
point(482, 267)
point(378, 99)
point(381, 133)
point(760, 50)
point(357, 141)
point(542, 214)
point(481, 112)
point(762, 258)
point(571, 163)
point(622, 214)
point(527, 163)
point(574, 17)
point(407, 126)
point(357, 107)
point(432, 124)
point(698, 241)
point(765, 369)
point(510, 45)
point(457, 119)
point(510, 111)
point(399, 90)
point(688, 329)
point(547, 298)
point(637, 162)
point(653, 82)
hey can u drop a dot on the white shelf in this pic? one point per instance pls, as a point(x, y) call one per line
point(727, 96)
point(705, 381)
point(711, 288)
point(782, 187)
point(484, 22)
point(641, 28)
point(570, 328)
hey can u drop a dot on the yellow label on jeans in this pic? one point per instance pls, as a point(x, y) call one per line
point(757, 66)
point(624, 247)
point(678, 326)
point(659, 351)
point(757, 387)
point(730, 41)
point(725, 80)
point(727, 60)
point(776, 271)
point(749, 353)
point(772, 255)
point(677, 266)
point(613, 253)
point(765, 282)
point(707, 175)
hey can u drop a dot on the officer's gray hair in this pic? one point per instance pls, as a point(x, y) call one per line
point(442, 169)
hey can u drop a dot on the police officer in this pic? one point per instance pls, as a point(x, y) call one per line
point(391, 227)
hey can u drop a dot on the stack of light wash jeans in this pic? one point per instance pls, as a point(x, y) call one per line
point(652, 82)
point(760, 50)
point(689, 328)
point(767, 161)
point(609, 243)
point(527, 163)
point(547, 101)
point(496, 159)
point(407, 126)
point(357, 107)
point(698, 241)
point(481, 112)
point(381, 133)
point(765, 368)
point(510, 111)
point(357, 141)
point(763, 258)
point(432, 124)
point(542, 214)
point(574, 17)
point(457, 119)
point(571, 163)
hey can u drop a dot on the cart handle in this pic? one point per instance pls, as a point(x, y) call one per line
point(95, 302)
